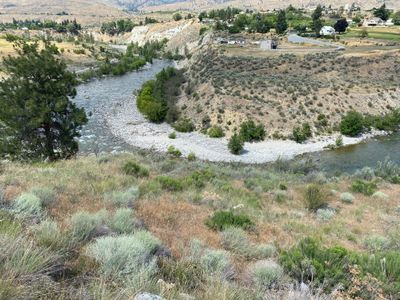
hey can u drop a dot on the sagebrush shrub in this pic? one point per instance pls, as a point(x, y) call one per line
point(347, 198)
point(184, 125)
point(314, 197)
point(48, 234)
point(217, 263)
point(235, 239)
point(125, 255)
point(46, 195)
point(324, 214)
point(236, 144)
point(266, 274)
point(27, 205)
point(123, 198)
point(83, 224)
point(174, 152)
point(123, 221)
point(221, 220)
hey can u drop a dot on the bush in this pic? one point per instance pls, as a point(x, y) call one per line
point(365, 173)
point(134, 169)
point(191, 157)
point(236, 144)
point(364, 187)
point(266, 274)
point(123, 198)
point(27, 205)
point(346, 198)
point(124, 256)
point(250, 132)
point(83, 224)
point(224, 219)
point(325, 214)
point(46, 195)
point(184, 125)
point(123, 221)
point(352, 124)
point(280, 196)
point(216, 132)
point(301, 134)
point(172, 135)
point(48, 234)
point(174, 152)
point(314, 197)
point(235, 239)
point(388, 170)
point(380, 195)
point(170, 184)
point(376, 243)
point(309, 262)
point(339, 141)
point(217, 263)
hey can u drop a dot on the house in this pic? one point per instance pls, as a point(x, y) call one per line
point(327, 31)
point(389, 22)
point(268, 45)
point(373, 22)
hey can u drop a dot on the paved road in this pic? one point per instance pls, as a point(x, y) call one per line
point(294, 38)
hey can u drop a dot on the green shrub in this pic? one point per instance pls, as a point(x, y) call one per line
point(301, 134)
point(191, 157)
point(221, 220)
point(308, 262)
point(250, 132)
point(388, 170)
point(216, 132)
point(170, 184)
point(123, 198)
point(266, 274)
point(280, 196)
point(134, 169)
point(172, 135)
point(339, 141)
point(352, 124)
point(314, 197)
point(124, 256)
point(174, 152)
point(236, 144)
point(184, 125)
point(123, 221)
point(46, 195)
point(380, 195)
point(364, 187)
point(83, 224)
point(376, 243)
point(28, 205)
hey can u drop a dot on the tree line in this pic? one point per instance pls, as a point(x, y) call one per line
point(65, 26)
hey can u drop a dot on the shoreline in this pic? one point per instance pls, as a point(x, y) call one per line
point(129, 124)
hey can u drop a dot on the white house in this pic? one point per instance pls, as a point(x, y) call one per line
point(389, 22)
point(373, 22)
point(327, 31)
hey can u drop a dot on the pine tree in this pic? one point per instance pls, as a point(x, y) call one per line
point(37, 118)
point(281, 23)
point(316, 19)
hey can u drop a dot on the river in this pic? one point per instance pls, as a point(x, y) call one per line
point(108, 98)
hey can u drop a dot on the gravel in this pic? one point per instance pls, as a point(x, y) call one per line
point(127, 123)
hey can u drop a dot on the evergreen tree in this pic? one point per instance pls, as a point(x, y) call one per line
point(281, 23)
point(382, 12)
point(316, 19)
point(341, 25)
point(37, 118)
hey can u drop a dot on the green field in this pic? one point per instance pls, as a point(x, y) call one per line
point(376, 33)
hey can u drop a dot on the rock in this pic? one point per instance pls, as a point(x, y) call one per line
point(147, 296)
point(163, 251)
point(100, 231)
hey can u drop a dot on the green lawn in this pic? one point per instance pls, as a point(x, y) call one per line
point(374, 34)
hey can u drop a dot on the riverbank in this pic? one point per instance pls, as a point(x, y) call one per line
point(128, 124)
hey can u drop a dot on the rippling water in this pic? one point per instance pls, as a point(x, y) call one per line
point(100, 97)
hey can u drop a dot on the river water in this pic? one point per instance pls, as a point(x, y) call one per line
point(100, 98)
point(103, 97)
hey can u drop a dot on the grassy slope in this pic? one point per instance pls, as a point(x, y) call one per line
point(178, 217)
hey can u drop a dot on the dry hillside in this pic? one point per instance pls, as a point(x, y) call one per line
point(282, 90)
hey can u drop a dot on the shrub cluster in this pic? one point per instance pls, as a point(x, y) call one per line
point(301, 134)
point(216, 132)
point(314, 197)
point(250, 132)
point(221, 220)
point(134, 169)
point(364, 187)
